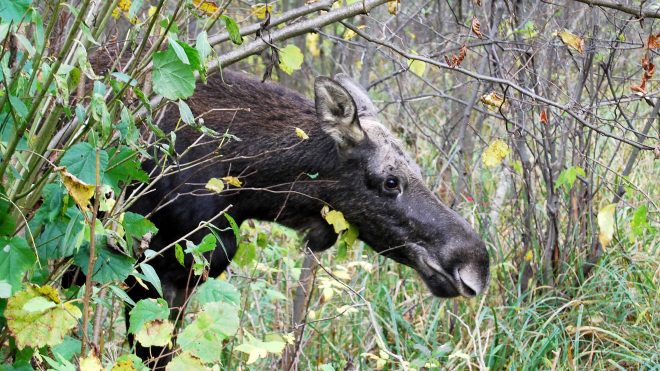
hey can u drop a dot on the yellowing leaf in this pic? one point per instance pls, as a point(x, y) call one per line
point(186, 361)
point(155, 333)
point(259, 10)
point(327, 293)
point(529, 256)
point(335, 219)
point(232, 180)
point(417, 67)
point(606, 224)
point(206, 7)
point(116, 12)
point(215, 185)
point(291, 58)
point(301, 134)
point(349, 34)
point(36, 329)
point(493, 99)
point(151, 11)
point(572, 40)
point(79, 190)
point(393, 6)
point(495, 153)
point(312, 43)
point(256, 349)
point(90, 363)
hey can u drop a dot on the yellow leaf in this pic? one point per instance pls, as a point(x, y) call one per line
point(151, 11)
point(206, 7)
point(417, 67)
point(124, 5)
point(259, 10)
point(574, 41)
point(215, 185)
point(232, 180)
point(335, 219)
point(495, 153)
point(116, 12)
point(312, 43)
point(328, 293)
point(492, 99)
point(349, 34)
point(606, 224)
point(393, 6)
point(301, 134)
point(529, 256)
point(90, 363)
point(79, 190)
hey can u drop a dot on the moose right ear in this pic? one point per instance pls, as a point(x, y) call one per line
point(337, 112)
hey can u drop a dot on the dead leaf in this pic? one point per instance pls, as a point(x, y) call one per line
point(476, 27)
point(652, 42)
point(456, 60)
point(79, 190)
point(493, 99)
point(572, 40)
point(544, 118)
point(606, 225)
point(393, 6)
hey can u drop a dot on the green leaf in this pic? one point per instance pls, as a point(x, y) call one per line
point(291, 58)
point(203, 46)
point(63, 236)
point(185, 113)
point(151, 276)
point(179, 254)
point(68, 348)
point(178, 50)
point(245, 254)
point(80, 160)
point(568, 177)
point(234, 227)
point(108, 267)
point(204, 336)
point(18, 105)
point(147, 310)
point(124, 167)
point(14, 10)
point(16, 257)
point(209, 243)
point(129, 362)
point(155, 333)
point(639, 222)
point(38, 304)
point(136, 226)
point(232, 28)
point(172, 78)
point(38, 329)
point(214, 290)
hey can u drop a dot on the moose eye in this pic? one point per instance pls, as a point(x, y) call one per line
point(391, 183)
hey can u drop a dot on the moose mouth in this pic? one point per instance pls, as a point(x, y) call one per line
point(440, 282)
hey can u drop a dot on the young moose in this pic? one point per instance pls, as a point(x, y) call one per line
point(362, 172)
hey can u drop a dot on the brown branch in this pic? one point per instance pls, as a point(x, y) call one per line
point(308, 25)
point(566, 108)
point(617, 5)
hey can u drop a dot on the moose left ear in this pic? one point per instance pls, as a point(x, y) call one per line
point(337, 112)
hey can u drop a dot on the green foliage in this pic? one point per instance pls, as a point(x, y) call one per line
point(232, 28)
point(16, 257)
point(291, 58)
point(15, 10)
point(568, 177)
point(205, 335)
point(80, 160)
point(173, 70)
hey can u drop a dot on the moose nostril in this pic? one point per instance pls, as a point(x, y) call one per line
point(470, 281)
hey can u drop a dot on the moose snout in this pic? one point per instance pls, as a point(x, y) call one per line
point(471, 268)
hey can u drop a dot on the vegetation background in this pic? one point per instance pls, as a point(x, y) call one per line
point(537, 121)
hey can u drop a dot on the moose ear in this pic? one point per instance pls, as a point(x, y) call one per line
point(337, 112)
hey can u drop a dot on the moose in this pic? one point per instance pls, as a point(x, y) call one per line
point(362, 171)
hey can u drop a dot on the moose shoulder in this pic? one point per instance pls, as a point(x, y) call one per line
point(362, 172)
